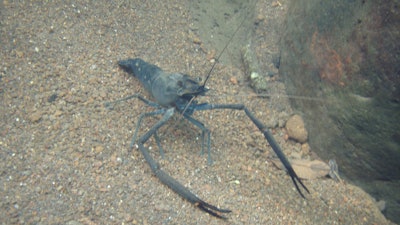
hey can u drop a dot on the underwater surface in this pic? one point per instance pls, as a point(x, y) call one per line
point(66, 159)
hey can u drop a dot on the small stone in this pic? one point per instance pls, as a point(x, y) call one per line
point(19, 54)
point(162, 207)
point(306, 169)
point(296, 129)
point(305, 149)
point(233, 80)
point(381, 204)
point(74, 222)
point(35, 117)
point(58, 113)
point(211, 55)
point(197, 40)
point(52, 98)
point(260, 18)
point(276, 4)
point(98, 149)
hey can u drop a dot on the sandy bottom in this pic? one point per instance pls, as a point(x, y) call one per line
point(65, 158)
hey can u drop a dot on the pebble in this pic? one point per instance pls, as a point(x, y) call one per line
point(305, 149)
point(98, 149)
point(35, 117)
point(296, 129)
point(307, 169)
point(233, 80)
point(58, 113)
point(381, 204)
point(162, 207)
point(74, 222)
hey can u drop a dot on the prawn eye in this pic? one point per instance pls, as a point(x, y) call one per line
point(180, 83)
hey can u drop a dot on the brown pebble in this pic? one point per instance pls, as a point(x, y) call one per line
point(276, 3)
point(58, 113)
point(260, 18)
point(98, 149)
point(196, 40)
point(286, 137)
point(35, 117)
point(296, 129)
point(233, 80)
point(211, 55)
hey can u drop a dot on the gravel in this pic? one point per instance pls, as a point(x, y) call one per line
point(65, 158)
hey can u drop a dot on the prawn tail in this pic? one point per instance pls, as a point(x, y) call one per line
point(138, 67)
point(145, 72)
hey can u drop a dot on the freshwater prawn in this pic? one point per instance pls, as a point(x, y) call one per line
point(177, 92)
